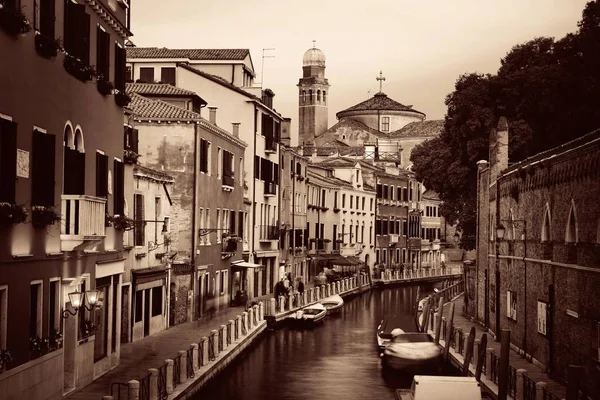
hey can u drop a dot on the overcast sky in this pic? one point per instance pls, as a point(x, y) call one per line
point(421, 46)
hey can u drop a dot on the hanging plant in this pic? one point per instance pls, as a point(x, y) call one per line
point(12, 214)
point(13, 21)
point(78, 68)
point(42, 216)
point(130, 157)
point(104, 86)
point(46, 46)
point(122, 99)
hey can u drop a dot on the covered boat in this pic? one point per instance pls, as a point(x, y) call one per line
point(385, 328)
point(333, 304)
point(312, 314)
point(412, 350)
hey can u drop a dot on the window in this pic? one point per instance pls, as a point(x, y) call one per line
point(54, 316)
point(100, 318)
point(207, 226)
point(324, 97)
point(3, 316)
point(77, 32)
point(379, 191)
point(219, 232)
point(157, 213)
point(319, 96)
point(240, 231)
point(101, 175)
point(42, 168)
point(323, 198)
point(147, 74)
point(139, 231)
point(121, 73)
point(128, 73)
point(8, 160)
point(399, 193)
point(351, 200)
point(371, 205)
point(119, 187)
point(157, 300)
point(241, 172)
point(228, 172)
point(304, 96)
point(219, 163)
point(35, 309)
point(139, 304)
point(343, 200)
point(205, 156)
point(167, 75)
point(385, 124)
point(44, 16)
point(102, 54)
point(363, 203)
point(571, 231)
point(223, 284)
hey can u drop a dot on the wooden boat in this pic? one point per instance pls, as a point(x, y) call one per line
point(385, 328)
point(410, 350)
point(333, 304)
point(311, 315)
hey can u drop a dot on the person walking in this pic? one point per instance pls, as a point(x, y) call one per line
point(300, 286)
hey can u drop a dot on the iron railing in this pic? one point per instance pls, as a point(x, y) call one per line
point(494, 369)
point(177, 371)
point(162, 382)
point(529, 388)
point(145, 388)
point(546, 395)
point(211, 347)
point(190, 362)
point(119, 390)
point(512, 381)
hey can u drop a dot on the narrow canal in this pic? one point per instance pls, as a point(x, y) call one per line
point(337, 359)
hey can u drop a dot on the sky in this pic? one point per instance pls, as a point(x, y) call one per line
point(421, 47)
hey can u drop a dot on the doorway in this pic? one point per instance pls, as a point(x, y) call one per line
point(125, 314)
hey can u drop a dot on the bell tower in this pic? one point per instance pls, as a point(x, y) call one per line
point(313, 97)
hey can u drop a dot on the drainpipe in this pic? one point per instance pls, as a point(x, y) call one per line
point(293, 209)
point(194, 205)
point(278, 203)
point(254, 186)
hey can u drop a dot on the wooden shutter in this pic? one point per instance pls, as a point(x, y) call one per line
point(232, 222)
point(101, 175)
point(139, 218)
point(47, 17)
point(119, 190)
point(203, 155)
point(103, 53)
point(68, 26)
point(8, 160)
point(257, 167)
point(42, 169)
point(241, 224)
point(276, 173)
point(167, 75)
point(85, 36)
point(119, 68)
point(79, 172)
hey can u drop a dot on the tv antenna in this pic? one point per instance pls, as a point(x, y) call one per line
point(262, 66)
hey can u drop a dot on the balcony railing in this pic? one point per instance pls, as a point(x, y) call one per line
point(270, 145)
point(270, 189)
point(269, 232)
point(228, 180)
point(82, 219)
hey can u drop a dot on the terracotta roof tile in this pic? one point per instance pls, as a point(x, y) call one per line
point(158, 89)
point(192, 54)
point(379, 101)
point(419, 129)
point(158, 109)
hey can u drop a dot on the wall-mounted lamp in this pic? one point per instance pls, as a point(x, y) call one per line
point(78, 300)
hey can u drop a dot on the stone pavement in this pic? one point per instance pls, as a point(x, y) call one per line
point(152, 351)
point(516, 361)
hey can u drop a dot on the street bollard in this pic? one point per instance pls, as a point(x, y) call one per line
point(304, 298)
point(223, 330)
point(239, 326)
point(520, 373)
point(539, 390)
point(273, 309)
point(214, 338)
point(281, 304)
point(230, 329)
point(318, 292)
point(134, 390)
point(153, 384)
point(183, 366)
point(261, 311)
point(290, 302)
point(204, 341)
point(169, 377)
point(195, 357)
point(328, 289)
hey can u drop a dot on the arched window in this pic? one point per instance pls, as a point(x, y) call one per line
point(69, 137)
point(79, 145)
point(319, 96)
point(324, 97)
point(546, 225)
point(571, 234)
point(310, 96)
point(304, 96)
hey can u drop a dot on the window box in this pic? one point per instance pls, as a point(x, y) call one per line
point(5, 359)
point(78, 69)
point(56, 339)
point(104, 87)
point(122, 99)
point(88, 329)
point(42, 216)
point(13, 21)
point(120, 222)
point(38, 347)
point(47, 47)
point(12, 214)
point(130, 157)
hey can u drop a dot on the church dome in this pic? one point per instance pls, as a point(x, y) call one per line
point(313, 57)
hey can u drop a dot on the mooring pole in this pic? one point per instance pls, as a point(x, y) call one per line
point(481, 356)
point(503, 364)
point(469, 352)
point(449, 332)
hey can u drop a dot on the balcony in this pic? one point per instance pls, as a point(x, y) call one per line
point(228, 181)
point(270, 146)
point(82, 221)
point(270, 189)
point(268, 233)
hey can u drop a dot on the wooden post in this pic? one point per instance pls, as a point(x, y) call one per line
point(539, 390)
point(449, 332)
point(503, 364)
point(153, 384)
point(520, 373)
point(469, 351)
point(438, 326)
point(574, 376)
point(134, 390)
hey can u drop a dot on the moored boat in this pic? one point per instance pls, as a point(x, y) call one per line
point(389, 323)
point(411, 350)
point(311, 315)
point(333, 304)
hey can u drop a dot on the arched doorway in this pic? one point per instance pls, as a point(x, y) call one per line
point(74, 161)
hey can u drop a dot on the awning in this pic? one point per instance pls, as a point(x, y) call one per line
point(149, 274)
point(354, 260)
point(340, 260)
point(245, 264)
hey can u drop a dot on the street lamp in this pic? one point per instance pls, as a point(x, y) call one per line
point(78, 299)
point(500, 230)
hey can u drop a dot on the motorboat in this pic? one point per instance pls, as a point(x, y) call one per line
point(311, 315)
point(411, 350)
point(333, 304)
point(441, 388)
point(385, 328)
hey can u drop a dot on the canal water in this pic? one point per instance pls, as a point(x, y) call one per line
point(336, 360)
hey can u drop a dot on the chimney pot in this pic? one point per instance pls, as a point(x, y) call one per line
point(212, 115)
point(236, 129)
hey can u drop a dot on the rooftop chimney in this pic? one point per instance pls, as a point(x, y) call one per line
point(286, 129)
point(212, 115)
point(236, 129)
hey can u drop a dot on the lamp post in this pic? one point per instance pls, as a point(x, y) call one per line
point(78, 300)
point(500, 232)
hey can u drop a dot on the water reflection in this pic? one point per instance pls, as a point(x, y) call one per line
point(337, 359)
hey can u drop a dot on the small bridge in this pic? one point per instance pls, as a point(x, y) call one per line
point(419, 275)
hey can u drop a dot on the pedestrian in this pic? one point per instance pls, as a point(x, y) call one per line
point(300, 285)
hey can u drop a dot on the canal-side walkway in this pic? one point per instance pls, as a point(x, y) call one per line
point(526, 380)
point(152, 351)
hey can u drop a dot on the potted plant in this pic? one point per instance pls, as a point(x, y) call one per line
point(38, 346)
point(88, 328)
point(130, 157)
point(104, 86)
point(12, 214)
point(121, 98)
point(46, 46)
point(5, 358)
point(78, 68)
point(42, 216)
point(56, 339)
point(13, 21)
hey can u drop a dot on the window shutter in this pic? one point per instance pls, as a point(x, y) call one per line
point(37, 169)
point(79, 172)
point(8, 160)
point(120, 69)
point(135, 140)
point(241, 224)
point(85, 37)
point(101, 175)
point(49, 143)
point(232, 223)
point(47, 14)
point(167, 75)
point(118, 191)
point(257, 167)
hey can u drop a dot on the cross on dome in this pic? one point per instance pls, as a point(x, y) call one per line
point(314, 44)
point(380, 78)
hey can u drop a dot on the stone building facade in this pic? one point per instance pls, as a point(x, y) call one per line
point(541, 279)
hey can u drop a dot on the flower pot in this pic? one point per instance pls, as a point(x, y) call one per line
point(122, 99)
point(104, 87)
point(46, 47)
point(13, 21)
